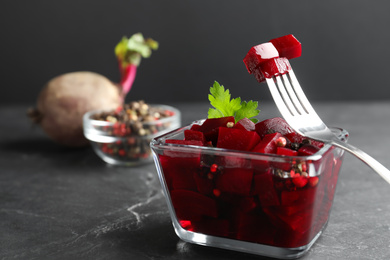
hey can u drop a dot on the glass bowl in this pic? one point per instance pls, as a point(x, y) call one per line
point(127, 143)
point(247, 201)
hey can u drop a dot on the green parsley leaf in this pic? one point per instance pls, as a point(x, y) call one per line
point(220, 99)
point(224, 106)
point(248, 109)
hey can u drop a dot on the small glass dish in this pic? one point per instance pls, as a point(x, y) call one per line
point(247, 201)
point(118, 143)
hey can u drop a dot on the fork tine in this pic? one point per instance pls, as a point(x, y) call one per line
point(298, 106)
point(300, 94)
point(285, 96)
point(282, 106)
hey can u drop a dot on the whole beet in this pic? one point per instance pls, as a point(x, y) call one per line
point(66, 98)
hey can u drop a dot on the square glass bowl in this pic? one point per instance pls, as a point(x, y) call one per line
point(247, 201)
point(127, 144)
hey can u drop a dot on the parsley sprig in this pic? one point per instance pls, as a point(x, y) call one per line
point(224, 106)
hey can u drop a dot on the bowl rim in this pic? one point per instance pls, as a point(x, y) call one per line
point(87, 116)
point(158, 143)
point(102, 137)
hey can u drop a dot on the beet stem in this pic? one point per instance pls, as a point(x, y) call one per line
point(127, 78)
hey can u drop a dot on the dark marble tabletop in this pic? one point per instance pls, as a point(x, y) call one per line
point(61, 203)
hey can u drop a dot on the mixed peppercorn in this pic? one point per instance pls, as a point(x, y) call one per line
point(136, 122)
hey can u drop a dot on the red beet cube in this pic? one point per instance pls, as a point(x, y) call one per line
point(288, 46)
point(195, 127)
point(210, 127)
point(237, 139)
point(276, 124)
point(178, 171)
point(204, 185)
point(194, 136)
point(275, 67)
point(192, 206)
point(272, 67)
point(245, 124)
point(294, 137)
point(256, 228)
point(235, 180)
point(264, 188)
point(258, 54)
point(286, 151)
point(211, 124)
point(307, 149)
point(259, 75)
point(267, 144)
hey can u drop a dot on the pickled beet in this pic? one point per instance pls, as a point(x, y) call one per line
point(288, 46)
point(271, 59)
point(272, 202)
point(245, 124)
point(193, 135)
point(237, 139)
point(275, 124)
point(259, 54)
point(267, 144)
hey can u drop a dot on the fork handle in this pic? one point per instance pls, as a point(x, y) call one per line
point(367, 159)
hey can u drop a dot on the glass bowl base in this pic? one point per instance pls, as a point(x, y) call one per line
point(243, 246)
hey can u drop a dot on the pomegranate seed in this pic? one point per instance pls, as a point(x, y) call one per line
point(300, 181)
point(186, 224)
point(214, 168)
point(313, 181)
point(122, 152)
point(217, 192)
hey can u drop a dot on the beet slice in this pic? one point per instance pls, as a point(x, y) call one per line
point(259, 54)
point(214, 123)
point(305, 196)
point(210, 127)
point(245, 124)
point(237, 139)
point(286, 151)
point(275, 67)
point(235, 180)
point(193, 135)
point(256, 228)
point(259, 75)
point(265, 190)
point(204, 185)
point(178, 171)
point(275, 124)
point(195, 127)
point(192, 206)
point(307, 149)
point(272, 67)
point(267, 144)
point(288, 46)
point(294, 137)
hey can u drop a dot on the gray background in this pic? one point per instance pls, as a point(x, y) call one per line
point(345, 45)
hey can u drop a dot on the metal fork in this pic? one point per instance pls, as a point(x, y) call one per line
point(300, 115)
